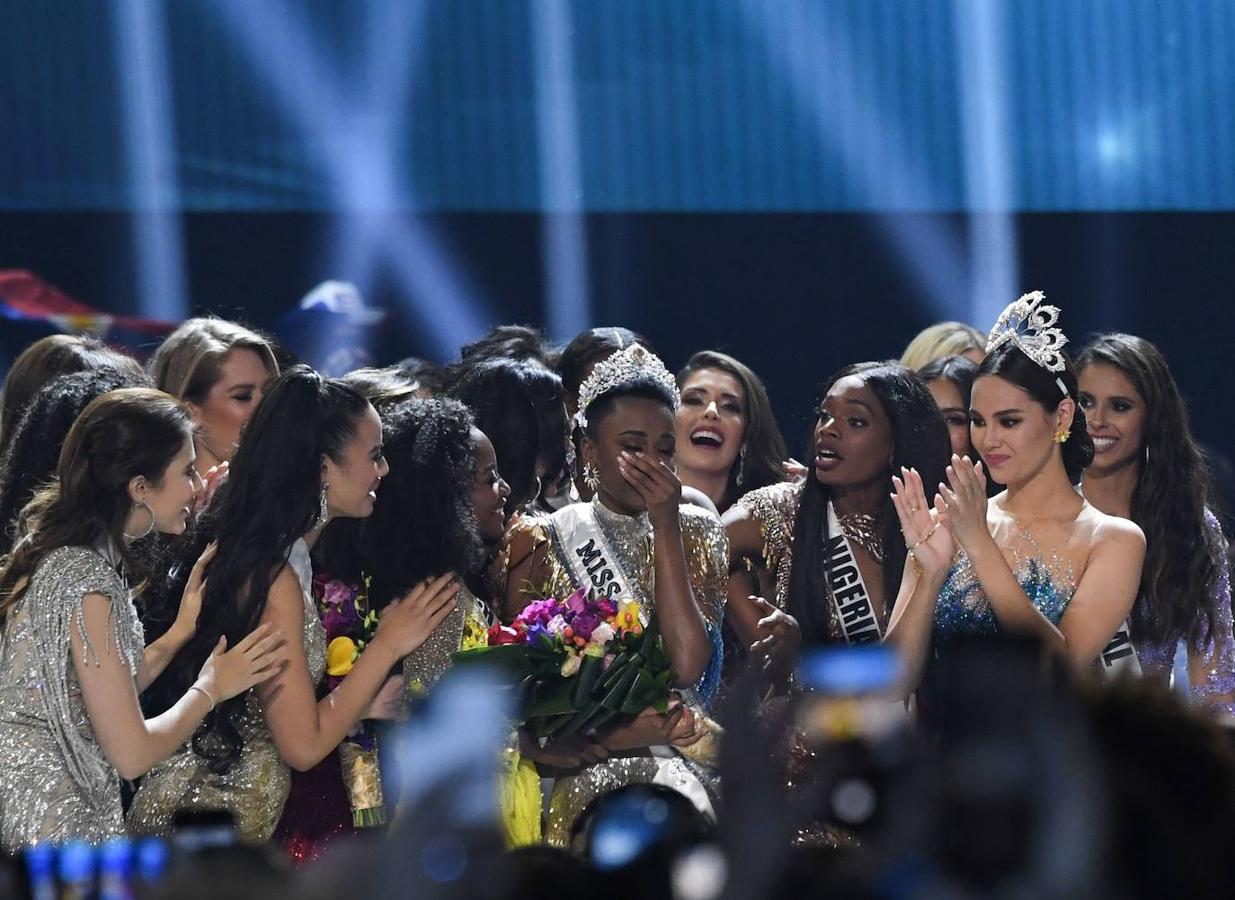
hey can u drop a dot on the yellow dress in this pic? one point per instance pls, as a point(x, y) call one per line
point(255, 786)
point(631, 539)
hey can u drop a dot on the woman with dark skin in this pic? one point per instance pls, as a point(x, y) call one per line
point(671, 558)
point(873, 417)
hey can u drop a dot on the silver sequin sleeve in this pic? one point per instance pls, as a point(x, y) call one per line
point(55, 781)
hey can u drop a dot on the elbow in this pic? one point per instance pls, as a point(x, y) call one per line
point(133, 768)
point(692, 669)
point(302, 759)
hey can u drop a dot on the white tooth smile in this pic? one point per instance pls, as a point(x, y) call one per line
point(707, 435)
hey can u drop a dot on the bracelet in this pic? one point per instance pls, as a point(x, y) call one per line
point(925, 538)
point(205, 693)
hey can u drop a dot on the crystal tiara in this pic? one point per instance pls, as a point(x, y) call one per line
point(632, 364)
point(1031, 327)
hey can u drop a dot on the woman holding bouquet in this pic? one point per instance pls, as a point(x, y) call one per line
point(445, 472)
point(311, 453)
point(633, 541)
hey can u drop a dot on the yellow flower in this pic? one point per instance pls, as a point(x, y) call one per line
point(340, 656)
point(628, 619)
point(475, 634)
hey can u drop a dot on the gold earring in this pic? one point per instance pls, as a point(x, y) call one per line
point(1061, 436)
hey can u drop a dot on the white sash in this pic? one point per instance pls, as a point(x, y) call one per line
point(847, 589)
point(581, 543)
point(1119, 656)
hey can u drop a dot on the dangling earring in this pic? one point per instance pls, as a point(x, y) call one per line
point(1061, 436)
point(741, 467)
point(322, 513)
point(1147, 454)
point(149, 528)
point(591, 477)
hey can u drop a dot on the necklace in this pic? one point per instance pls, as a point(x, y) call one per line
point(863, 530)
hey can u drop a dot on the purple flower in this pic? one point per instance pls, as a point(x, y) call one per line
point(536, 631)
point(585, 623)
point(577, 602)
point(538, 612)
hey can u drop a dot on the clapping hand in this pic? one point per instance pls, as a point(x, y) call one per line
point(929, 540)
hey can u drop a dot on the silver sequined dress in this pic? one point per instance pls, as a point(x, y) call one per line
point(255, 786)
point(55, 782)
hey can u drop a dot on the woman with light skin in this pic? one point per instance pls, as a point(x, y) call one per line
point(72, 661)
point(950, 380)
point(312, 453)
point(1148, 468)
point(728, 439)
point(220, 370)
point(1037, 558)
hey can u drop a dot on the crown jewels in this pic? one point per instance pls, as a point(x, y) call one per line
point(623, 367)
point(1031, 328)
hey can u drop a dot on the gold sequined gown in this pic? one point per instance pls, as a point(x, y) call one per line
point(55, 782)
point(631, 539)
point(255, 786)
point(465, 626)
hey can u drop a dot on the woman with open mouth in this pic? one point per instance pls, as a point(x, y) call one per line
point(817, 547)
point(728, 439)
point(1148, 468)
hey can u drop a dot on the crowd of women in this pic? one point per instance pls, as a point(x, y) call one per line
point(173, 538)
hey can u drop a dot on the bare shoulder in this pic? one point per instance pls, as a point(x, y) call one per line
point(284, 596)
point(1112, 533)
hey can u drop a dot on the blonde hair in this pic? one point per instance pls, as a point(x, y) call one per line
point(940, 340)
point(188, 362)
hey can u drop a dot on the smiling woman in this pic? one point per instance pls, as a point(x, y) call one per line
point(220, 370)
point(728, 441)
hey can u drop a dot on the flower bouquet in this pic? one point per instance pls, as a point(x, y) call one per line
point(350, 625)
point(580, 663)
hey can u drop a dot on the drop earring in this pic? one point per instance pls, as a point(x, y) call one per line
point(322, 512)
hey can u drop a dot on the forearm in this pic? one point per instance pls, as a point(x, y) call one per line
point(681, 622)
point(1011, 605)
point(314, 736)
point(909, 629)
point(157, 655)
point(162, 736)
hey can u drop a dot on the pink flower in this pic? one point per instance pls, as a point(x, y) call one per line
point(538, 612)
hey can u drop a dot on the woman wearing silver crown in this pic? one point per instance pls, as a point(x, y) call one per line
point(1036, 558)
point(671, 559)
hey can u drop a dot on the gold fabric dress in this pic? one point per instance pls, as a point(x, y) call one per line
point(631, 539)
point(255, 786)
point(466, 625)
point(55, 782)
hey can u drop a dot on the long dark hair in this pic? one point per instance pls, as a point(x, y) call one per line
point(958, 371)
point(1011, 364)
point(765, 447)
point(423, 523)
point(119, 436)
point(270, 499)
point(33, 450)
point(919, 440)
point(48, 358)
point(518, 404)
point(1183, 553)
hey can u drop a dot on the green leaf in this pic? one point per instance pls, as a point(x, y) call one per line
point(586, 678)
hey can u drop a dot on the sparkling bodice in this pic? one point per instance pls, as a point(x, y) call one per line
point(55, 782)
point(255, 786)
point(632, 541)
point(1046, 578)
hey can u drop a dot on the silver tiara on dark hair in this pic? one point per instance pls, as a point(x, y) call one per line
point(1030, 325)
point(632, 364)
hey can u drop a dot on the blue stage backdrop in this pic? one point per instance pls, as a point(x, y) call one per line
point(802, 183)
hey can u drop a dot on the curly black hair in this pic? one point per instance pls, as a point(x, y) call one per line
point(423, 523)
point(33, 449)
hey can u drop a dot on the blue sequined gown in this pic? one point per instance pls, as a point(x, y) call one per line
point(962, 609)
